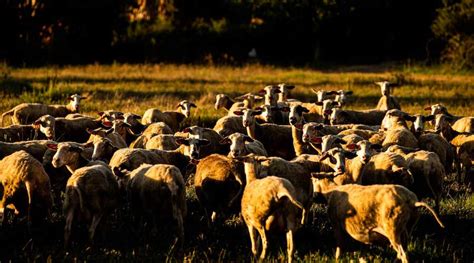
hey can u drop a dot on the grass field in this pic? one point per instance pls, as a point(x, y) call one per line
point(135, 88)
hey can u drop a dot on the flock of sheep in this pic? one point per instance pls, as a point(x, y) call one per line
point(268, 162)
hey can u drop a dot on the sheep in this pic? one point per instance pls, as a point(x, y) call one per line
point(92, 192)
point(224, 101)
point(428, 172)
point(162, 142)
point(325, 110)
point(61, 129)
point(115, 138)
point(459, 124)
point(392, 116)
point(36, 148)
point(110, 115)
point(134, 121)
point(435, 143)
point(284, 92)
point(399, 134)
point(368, 213)
point(27, 113)
point(386, 168)
point(211, 135)
point(171, 118)
point(297, 121)
point(323, 94)
point(276, 138)
point(150, 131)
point(270, 95)
point(267, 204)
point(124, 130)
point(104, 148)
point(130, 159)
point(26, 188)
point(387, 102)
point(156, 191)
point(72, 155)
point(241, 144)
point(16, 133)
point(341, 96)
point(419, 123)
point(227, 125)
point(218, 182)
point(367, 117)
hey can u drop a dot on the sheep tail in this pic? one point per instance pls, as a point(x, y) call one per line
point(290, 197)
point(425, 205)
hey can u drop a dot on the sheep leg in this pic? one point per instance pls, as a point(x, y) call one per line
point(289, 245)
point(435, 196)
point(93, 226)
point(338, 234)
point(396, 243)
point(68, 226)
point(263, 236)
point(253, 239)
point(29, 190)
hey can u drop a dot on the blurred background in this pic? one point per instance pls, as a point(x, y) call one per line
point(232, 32)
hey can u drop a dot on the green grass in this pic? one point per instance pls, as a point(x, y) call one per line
point(135, 88)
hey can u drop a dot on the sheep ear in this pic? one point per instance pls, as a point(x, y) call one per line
point(107, 124)
point(119, 173)
point(136, 116)
point(192, 105)
point(76, 149)
point(290, 86)
point(88, 145)
point(181, 140)
point(319, 103)
point(52, 146)
point(70, 98)
point(303, 109)
point(427, 108)
point(409, 118)
point(179, 106)
point(332, 92)
point(83, 97)
point(91, 131)
point(186, 130)
point(350, 155)
point(262, 91)
point(342, 141)
point(277, 91)
point(109, 131)
point(349, 92)
point(323, 156)
point(120, 117)
point(225, 140)
point(238, 112)
point(248, 139)
point(256, 112)
point(128, 125)
point(428, 118)
point(315, 91)
point(335, 103)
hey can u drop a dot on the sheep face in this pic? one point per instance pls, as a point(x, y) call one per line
point(101, 145)
point(419, 122)
point(310, 133)
point(65, 154)
point(296, 116)
point(437, 109)
point(221, 101)
point(193, 145)
point(385, 87)
point(441, 122)
point(330, 141)
point(46, 125)
point(337, 116)
point(74, 101)
point(284, 91)
point(364, 150)
point(237, 144)
point(341, 96)
point(337, 160)
point(327, 106)
point(185, 107)
point(267, 112)
point(120, 127)
point(248, 116)
point(132, 119)
point(270, 94)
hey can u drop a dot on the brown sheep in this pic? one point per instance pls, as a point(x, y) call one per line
point(367, 117)
point(227, 125)
point(428, 172)
point(156, 191)
point(326, 107)
point(150, 131)
point(27, 113)
point(16, 133)
point(399, 134)
point(323, 94)
point(60, 129)
point(277, 139)
point(26, 187)
point(171, 118)
point(218, 181)
point(459, 124)
point(70, 154)
point(387, 102)
point(284, 92)
point(386, 168)
point(371, 213)
point(36, 148)
point(92, 193)
point(211, 135)
point(162, 142)
point(269, 204)
point(435, 143)
point(224, 101)
point(134, 121)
